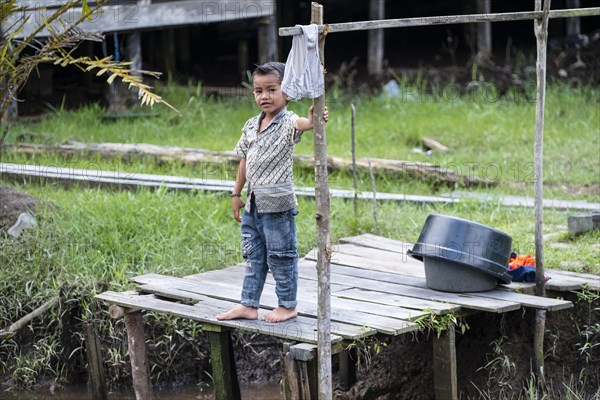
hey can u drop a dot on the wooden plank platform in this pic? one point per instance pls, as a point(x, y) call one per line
point(375, 289)
point(300, 329)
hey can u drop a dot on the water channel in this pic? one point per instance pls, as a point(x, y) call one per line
point(261, 391)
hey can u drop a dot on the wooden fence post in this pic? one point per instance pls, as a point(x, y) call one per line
point(375, 52)
point(94, 357)
point(223, 364)
point(267, 39)
point(484, 31)
point(574, 23)
point(137, 355)
point(540, 26)
point(137, 350)
point(444, 365)
point(322, 217)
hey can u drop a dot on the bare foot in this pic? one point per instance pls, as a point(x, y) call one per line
point(280, 314)
point(239, 312)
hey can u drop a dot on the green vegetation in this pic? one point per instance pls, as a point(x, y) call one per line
point(89, 240)
point(488, 136)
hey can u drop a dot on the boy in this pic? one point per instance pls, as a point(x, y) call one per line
point(268, 220)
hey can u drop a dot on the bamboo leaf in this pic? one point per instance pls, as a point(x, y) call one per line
point(111, 78)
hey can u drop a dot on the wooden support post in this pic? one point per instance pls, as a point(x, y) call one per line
point(137, 354)
point(94, 358)
point(347, 368)
point(323, 221)
point(540, 27)
point(301, 372)
point(267, 39)
point(484, 31)
point(376, 44)
point(169, 52)
point(134, 55)
point(243, 58)
point(46, 81)
point(184, 58)
point(223, 364)
point(573, 23)
point(444, 366)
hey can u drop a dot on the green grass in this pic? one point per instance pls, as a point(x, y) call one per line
point(489, 137)
point(112, 235)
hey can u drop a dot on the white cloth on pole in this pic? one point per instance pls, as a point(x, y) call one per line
point(303, 77)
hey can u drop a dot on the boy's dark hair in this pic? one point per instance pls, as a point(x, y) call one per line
point(270, 67)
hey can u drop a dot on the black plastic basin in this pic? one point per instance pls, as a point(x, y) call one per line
point(461, 255)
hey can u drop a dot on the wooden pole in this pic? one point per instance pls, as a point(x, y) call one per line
point(17, 325)
point(443, 20)
point(374, 189)
point(573, 24)
point(137, 355)
point(267, 39)
point(484, 31)
point(541, 33)
point(94, 357)
point(322, 217)
point(444, 365)
point(134, 54)
point(375, 53)
point(223, 363)
point(354, 177)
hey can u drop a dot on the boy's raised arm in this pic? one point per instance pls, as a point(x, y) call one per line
point(306, 124)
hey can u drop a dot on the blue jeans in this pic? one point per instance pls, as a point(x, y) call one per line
point(269, 243)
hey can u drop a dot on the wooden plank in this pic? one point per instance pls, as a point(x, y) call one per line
point(307, 289)
point(391, 299)
point(393, 322)
point(543, 303)
point(592, 277)
point(518, 287)
point(407, 302)
point(298, 329)
point(568, 283)
point(414, 266)
point(378, 242)
point(411, 267)
point(465, 300)
point(523, 201)
point(235, 275)
point(387, 325)
point(546, 303)
point(443, 20)
point(345, 272)
point(190, 290)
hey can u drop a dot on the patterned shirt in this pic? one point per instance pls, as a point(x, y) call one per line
point(269, 163)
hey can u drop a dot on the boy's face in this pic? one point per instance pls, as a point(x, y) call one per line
point(268, 94)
